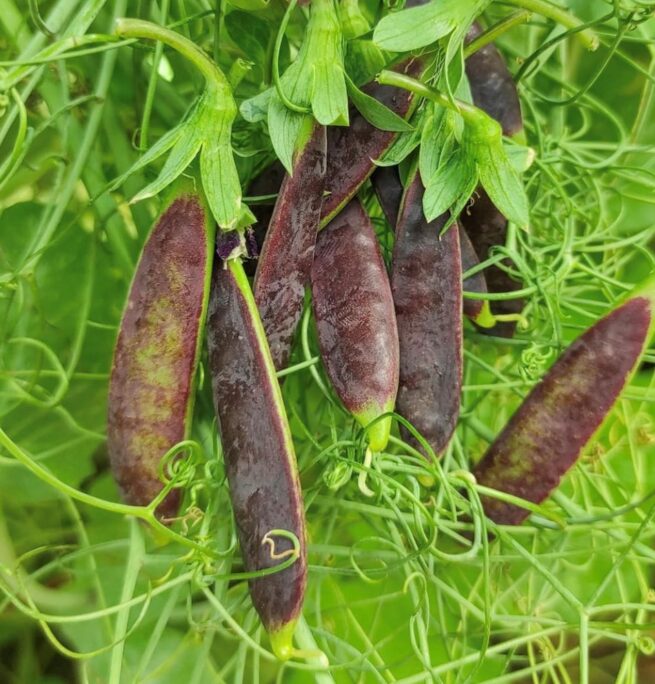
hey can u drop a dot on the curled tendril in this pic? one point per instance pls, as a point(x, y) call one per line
point(292, 553)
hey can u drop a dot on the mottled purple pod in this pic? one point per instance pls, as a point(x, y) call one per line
point(355, 320)
point(546, 435)
point(286, 259)
point(389, 191)
point(258, 452)
point(352, 150)
point(426, 282)
point(494, 91)
point(151, 388)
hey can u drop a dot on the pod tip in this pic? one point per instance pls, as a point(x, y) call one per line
point(282, 640)
point(485, 319)
point(378, 434)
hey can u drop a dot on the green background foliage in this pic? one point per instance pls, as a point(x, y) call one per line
point(405, 586)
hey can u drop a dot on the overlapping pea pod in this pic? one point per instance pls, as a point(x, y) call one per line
point(258, 451)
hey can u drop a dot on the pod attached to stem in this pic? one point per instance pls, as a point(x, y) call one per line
point(258, 451)
point(355, 320)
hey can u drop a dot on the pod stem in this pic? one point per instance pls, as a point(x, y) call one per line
point(393, 78)
point(138, 28)
point(558, 14)
point(497, 30)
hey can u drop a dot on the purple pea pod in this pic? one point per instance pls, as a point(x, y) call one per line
point(426, 283)
point(352, 150)
point(544, 438)
point(355, 320)
point(389, 191)
point(494, 91)
point(258, 451)
point(286, 258)
point(151, 387)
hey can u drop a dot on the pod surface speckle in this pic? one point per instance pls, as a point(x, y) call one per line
point(151, 384)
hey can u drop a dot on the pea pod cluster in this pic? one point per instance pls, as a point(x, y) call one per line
point(389, 327)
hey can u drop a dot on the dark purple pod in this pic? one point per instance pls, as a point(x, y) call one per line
point(389, 191)
point(258, 451)
point(546, 435)
point(477, 310)
point(494, 91)
point(157, 350)
point(492, 85)
point(267, 182)
point(352, 150)
point(355, 320)
point(426, 282)
point(286, 258)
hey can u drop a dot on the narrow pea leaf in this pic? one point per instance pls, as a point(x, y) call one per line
point(404, 144)
point(284, 127)
point(255, 109)
point(503, 184)
point(168, 140)
point(454, 179)
point(364, 60)
point(483, 141)
point(183, 153)
point(437, 141)
point(375, 112)
point(520, 156)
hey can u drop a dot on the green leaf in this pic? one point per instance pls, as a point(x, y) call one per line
point(220, 179)
point(375, 112)
point(353, 22)
point(437, 140)
point(284, 127)
point(364, 60)
point(168, 140)
point(452, 183)
point(255, 109)
point(404, 143)
point(483, 141)
point(183, 153)
point(255, 41)
point(418, 27)
point(329, 94)
point(503, 185)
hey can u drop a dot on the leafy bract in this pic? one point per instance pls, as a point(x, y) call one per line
point(207, 129)
point(451, 175)
point(314, 84)
point(417, 27)
point(353, 22)
point(483, 141)
point(375, 112)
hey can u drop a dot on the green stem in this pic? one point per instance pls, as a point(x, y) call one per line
point(137, 28)
point(152, 83)
point(558, 14)
point(497, 30)
point(393, 78)
point(276, 68)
